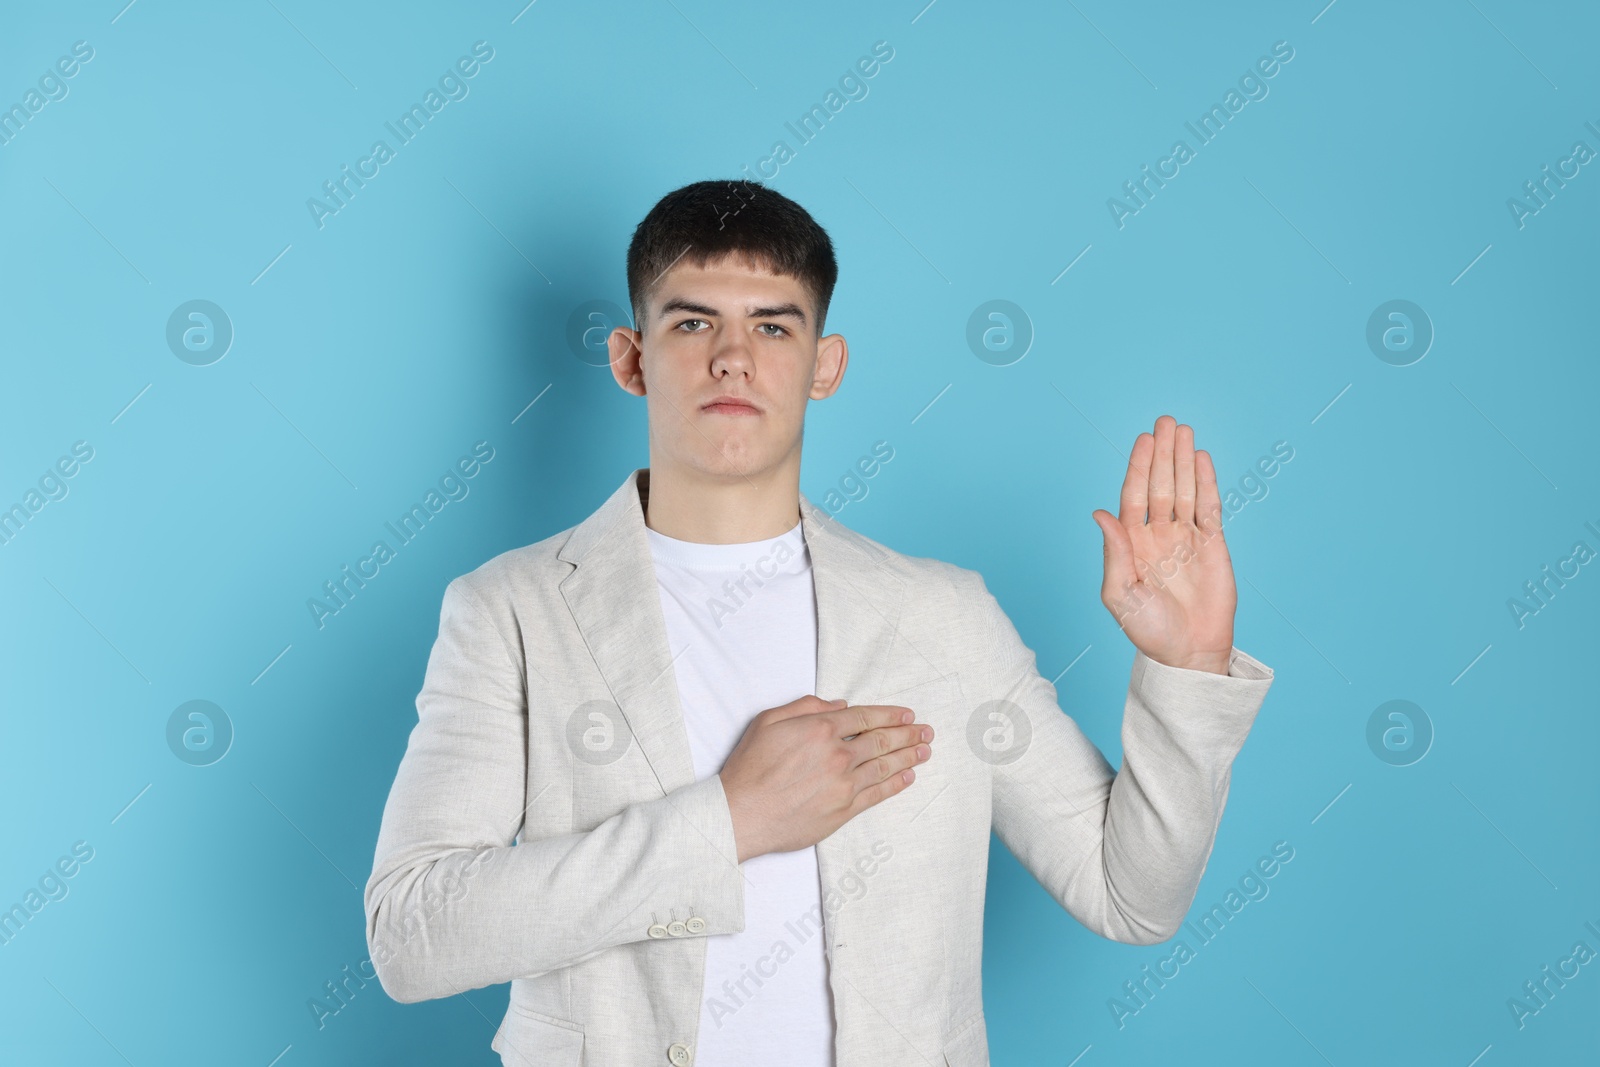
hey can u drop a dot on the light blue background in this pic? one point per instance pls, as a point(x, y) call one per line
point(432, 310)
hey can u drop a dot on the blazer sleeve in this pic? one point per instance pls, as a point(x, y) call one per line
point(1123, 852)
point(455, 903)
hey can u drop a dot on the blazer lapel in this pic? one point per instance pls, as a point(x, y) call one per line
point(614, 600)
point(859, 599)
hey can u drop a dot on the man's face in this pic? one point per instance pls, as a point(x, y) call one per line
point(727, 329)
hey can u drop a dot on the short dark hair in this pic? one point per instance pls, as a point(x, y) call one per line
point(705, 221)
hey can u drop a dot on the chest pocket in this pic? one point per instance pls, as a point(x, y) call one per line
point(937, 701)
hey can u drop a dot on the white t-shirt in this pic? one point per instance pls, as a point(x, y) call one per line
point(742, 629)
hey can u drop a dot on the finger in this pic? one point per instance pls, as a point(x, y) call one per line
point(1161, 474)
point(887, 739)
point(1183, 469)
point(856, 719)
point(1119, 567)
point(885, 789)
point(889, 765)
point(1208, 500)
point(810, 704)
point(1136, 484)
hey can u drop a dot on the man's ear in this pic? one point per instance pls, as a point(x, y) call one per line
point(833, 354)
point(626, 347)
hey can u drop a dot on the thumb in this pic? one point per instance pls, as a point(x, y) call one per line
point(1120, 573)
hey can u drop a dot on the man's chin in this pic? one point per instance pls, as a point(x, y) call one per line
point(731, 463)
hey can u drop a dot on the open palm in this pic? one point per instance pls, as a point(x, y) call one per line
point(1168, 578)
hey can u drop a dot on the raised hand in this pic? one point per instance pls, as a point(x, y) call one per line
point(1169, 579)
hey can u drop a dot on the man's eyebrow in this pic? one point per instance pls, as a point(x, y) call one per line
point(791, 310)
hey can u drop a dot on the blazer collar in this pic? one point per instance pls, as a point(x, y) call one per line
point(614, 599)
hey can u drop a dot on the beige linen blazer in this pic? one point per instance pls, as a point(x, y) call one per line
point(545, 827)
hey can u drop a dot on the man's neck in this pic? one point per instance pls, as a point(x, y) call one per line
point(738, 510)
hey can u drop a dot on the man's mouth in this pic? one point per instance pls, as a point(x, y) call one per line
point(730, 405)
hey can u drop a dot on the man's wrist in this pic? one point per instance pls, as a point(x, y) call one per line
point(1211, 662)
point(743, 833)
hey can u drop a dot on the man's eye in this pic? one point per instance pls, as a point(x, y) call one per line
point(686, 322)
point(775, 326)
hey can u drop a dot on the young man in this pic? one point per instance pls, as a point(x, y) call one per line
point(674, 775)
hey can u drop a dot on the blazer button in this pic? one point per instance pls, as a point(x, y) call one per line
point(695, 924)
point(679, 1055)
point(657, 931)
point(677, 929)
